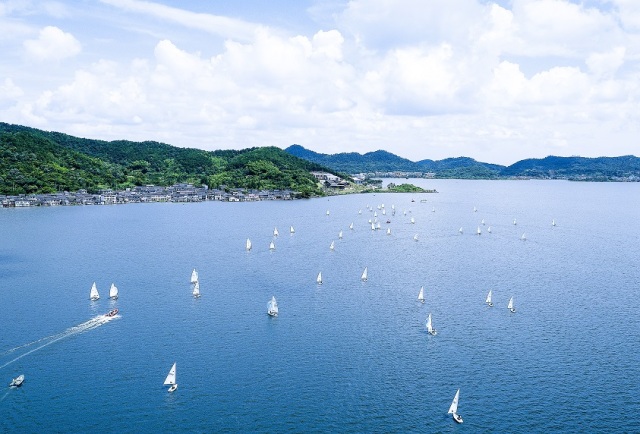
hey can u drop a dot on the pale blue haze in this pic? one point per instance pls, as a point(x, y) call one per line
point(344, 357)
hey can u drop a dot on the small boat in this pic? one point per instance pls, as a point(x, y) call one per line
point(112, 312)
point(489, 229)
point(421, 294)
point(194, 276)
point(388, 221)
point(415, 237)
point(340, 235)
point(475, 209)
point(423, 200)
point(479, 232)
point(460, 230)
point(510, 306)
point(248, 244)
point(359, 211)
point(488, 300)
point(515, 222)
point(482, 222)
point(275, 232)
point(375, 213)
point(364, 275)
point(319, 278)
point(196, 289)
point(17, 382)
point(93, 295)
point(413, 221)
point(272, 246)
point(384, 212)
point(524, 237)
point(332, 246)
point(171, 379)
point(113, 292)
point(373, 227)
point(292, 230)
point(433, 209)
point(453, 409)
point(430, 328)
point(553, 222)
point(388, 231)
point(327, 212)
point(272, 307)
point(351, 226)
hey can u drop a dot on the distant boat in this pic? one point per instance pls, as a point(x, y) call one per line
point(340, 235)
point(112, 312)
point(194, 276)
point(375, 213)
point(388, 231)
point(332, 246)
point(489, 229)
point(553, 222)
point(430, 328)
point(460, 230)
point(272, 307)
point(510, 306)
point(292, 230)
point(482, 222)
point(113, 292)
point(421, 294)
point(17, 382)
point(359, 211)
point(171, 379)
point(514, 222)
point(433, 209)
point(524, 237)
point(319, 278)
point(413, 221)
point(364, 275)
point(479, 232)
point(93, 295)
point(453, 409)
point(373, 227)
point(272, 246)
point(275, 232)
point(327, 212)
point(351, 226)
point(196, 289)
point(248, 244)
point(415, 237)
point(475, 209)
point(378, 225)
point(488, 300)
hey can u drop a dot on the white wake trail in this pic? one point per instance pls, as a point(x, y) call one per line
point(71, 331)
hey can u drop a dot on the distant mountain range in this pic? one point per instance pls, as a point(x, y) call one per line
point(625, 168)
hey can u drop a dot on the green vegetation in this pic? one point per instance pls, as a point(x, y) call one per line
point(35, 161)
point(406, 188)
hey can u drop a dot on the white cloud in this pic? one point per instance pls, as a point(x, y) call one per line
point(606, 64)
point(52, 44)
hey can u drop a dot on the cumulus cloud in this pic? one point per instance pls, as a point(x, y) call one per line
point(52, 45)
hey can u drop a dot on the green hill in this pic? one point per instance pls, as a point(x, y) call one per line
point(36, 161)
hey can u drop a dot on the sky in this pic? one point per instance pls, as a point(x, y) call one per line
point(498, 81)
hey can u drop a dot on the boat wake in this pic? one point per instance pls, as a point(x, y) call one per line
point(36, 345)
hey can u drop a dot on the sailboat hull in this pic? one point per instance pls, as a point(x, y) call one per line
point(173, 388)
point(457, 418)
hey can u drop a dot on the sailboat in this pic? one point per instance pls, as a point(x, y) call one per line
point(415, 237)
point(340, 235)
point(482, 222)
point(373, 227)
point(332, 246)
point(421, 294)
point(272, 307)
point(292, 230)
point(430, 328)
point(489, 229)
point(524, 237)
point(479, 232)
point(413, 221)
point(275, 232)
point(17, 382)
point(171, 379)
point(384, 212)
point(359, 211)
point(196, 289)
point(272, 246)
point(514, 222)
point(378, 225)
point(553, 222)
point(388, 231)
point(460, 230)
point(194, 276)
point(475, 209)
point(327, 212)
point(375, 213)
point(248, 244)
point(351, 226)
point(319, 278)
point(488, 300)
point(364, 275)
point(453, 409)
point(510, 306)
point(113, 292)
point(433, 209)
point(93, 296)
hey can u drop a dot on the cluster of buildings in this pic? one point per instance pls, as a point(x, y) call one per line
point(147, 193)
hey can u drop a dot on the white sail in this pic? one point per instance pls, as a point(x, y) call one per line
point(488, 300)
point(413, 220)
point(351, 226)
point(489, 229)
point(433, 209)
point(378, 225)
point(272, 307)
point(359, 211)
point(479, 232)
point(248, 244)
point(454, 404)
point(194, 276)
point(332, 246)
point(93, 295)
point(171, 377)
point(430, 328)
point(388, 231)
point(364, 275)
point(196, 289)
point(421, 294)
point(515, 222)
point(510, 305)
point(292, 230)
point(319, 278)
point(475, 209)
point(113, 291)
point(340, 235)
point(482, 222)
point(523, 237)
point(327, 212)
point(272, 246)
point(384, 212)
point(553, 222)
point(460, 230)
point(415, 237)
point(275, 232)
point(373, 227)
point(375, 213)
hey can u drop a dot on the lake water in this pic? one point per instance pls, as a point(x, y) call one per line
point(347, 356)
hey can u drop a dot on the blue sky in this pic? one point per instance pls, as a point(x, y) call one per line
point(497, 81)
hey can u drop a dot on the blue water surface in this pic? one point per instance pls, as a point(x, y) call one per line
point(346, 356)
